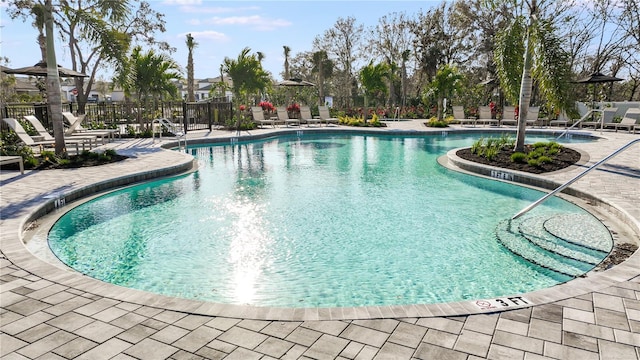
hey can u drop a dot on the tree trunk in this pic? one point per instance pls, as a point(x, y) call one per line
point(53, 84)
point(440, 107)
point(525, 85)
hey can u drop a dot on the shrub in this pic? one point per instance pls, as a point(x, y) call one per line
point(545, 159)
point(491, 152)
point(476, 147)
point(434, 122)
point(518, 157)
point(533, 162)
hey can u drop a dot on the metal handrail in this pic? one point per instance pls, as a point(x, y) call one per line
point(578, 122)
point(563, 186)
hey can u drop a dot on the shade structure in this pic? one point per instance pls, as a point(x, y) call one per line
point(40, 69)
point(598, 77)
point(295, 82)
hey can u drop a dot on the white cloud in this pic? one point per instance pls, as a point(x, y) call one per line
point(182, 2)
point(207, 35)
point(217, 10)
point(254, 21)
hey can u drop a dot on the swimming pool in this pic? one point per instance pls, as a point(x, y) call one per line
point(311, 221)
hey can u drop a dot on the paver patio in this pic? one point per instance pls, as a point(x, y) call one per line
point(50, 313)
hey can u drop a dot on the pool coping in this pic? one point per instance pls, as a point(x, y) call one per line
point(22, 257)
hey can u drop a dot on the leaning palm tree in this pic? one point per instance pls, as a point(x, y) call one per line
point(544, 59)
point(191, 44)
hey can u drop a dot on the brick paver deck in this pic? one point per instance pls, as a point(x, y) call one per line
point(50, 313)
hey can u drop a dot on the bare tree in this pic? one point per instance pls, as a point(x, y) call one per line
point(388, 40)
point(343, 43)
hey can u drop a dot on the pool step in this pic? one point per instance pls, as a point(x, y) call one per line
point(535, 231)
point(531, 240)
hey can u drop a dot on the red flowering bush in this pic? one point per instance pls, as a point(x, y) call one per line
point(293, 108)
point(266, 106)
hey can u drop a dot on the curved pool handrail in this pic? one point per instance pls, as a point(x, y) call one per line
point(574, 179)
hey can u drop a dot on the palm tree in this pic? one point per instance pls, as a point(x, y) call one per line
point(373, 79)
point(248, 76)
point(403, 79)
point(191, 44)
point(148, 76)
point(323, 68)
point(38, 11)
point(287, 50)
point(444, 83)
point(54, 99)
point(544, 59)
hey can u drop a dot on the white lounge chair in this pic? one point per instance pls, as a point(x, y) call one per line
point(509, 116)
point(458, 114)
point(562, 120)
point(47, 137)
point(29, 141)
point(606, 117)
point(326, 116)
point(485, 116)
point(75, 126)
point(630, 120)
point(284, 116)
point(258, 117)
point(306, 117)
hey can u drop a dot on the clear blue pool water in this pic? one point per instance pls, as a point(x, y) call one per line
point(310, 221)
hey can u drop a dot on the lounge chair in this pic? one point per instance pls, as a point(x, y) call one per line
point(258, 117)
point(29, 141)
point(283, 116)
point(47, 137)
point(562, 120)
point(485, 116)
point(532, 116)
point(4, 160)
point(605, 117)
point(509, 116)
point(326, 116)
point(305, 116)
point(75, 126)
point(630, 120)
point(458, 114)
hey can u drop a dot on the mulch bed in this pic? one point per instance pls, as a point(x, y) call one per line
point(78, 162)
point(566, 157)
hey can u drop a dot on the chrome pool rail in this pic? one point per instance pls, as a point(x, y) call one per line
point(574, 179)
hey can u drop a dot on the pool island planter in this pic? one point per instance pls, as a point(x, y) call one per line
point(15, 251)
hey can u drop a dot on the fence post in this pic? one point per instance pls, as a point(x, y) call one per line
point(185, 121)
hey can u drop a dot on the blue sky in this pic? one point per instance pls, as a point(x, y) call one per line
point(224, 28)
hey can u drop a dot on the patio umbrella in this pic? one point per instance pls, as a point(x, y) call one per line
point(40, 69)
point(295, 82)
point(597, 78)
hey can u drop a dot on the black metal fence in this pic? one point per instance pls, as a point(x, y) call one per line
point(193, 116)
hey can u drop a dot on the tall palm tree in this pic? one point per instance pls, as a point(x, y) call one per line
point(191, 44)
point(54, 98)
point(38, 11)
point(544, 59)
point(287, 50)
point(323, 68)
point(403, 79)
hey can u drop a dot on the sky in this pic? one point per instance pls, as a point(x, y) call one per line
point(223, 28)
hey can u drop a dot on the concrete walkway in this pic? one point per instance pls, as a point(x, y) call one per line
point(52, 313)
